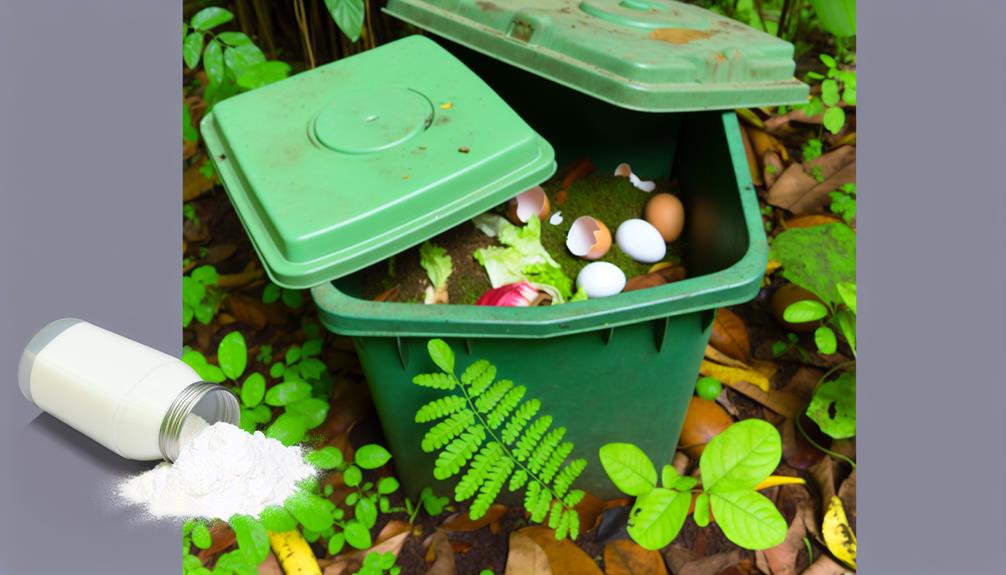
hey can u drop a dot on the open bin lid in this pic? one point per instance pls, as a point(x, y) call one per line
point(648, 55)
point(345, 165)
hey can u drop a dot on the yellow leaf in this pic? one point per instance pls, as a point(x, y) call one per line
point(294, 554)
point(760, 375)
point(772, 266)
point(838, 535)
point(773, 480)
point(750, 117)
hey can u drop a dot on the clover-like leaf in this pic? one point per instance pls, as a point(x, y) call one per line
point(629, 468)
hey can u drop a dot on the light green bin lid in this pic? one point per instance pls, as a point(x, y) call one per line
point(649, 55)
point(345, 165)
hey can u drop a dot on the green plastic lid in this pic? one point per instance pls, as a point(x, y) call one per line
point(649, 55)
point(342, 166)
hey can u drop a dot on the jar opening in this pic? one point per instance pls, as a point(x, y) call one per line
point(210, 401)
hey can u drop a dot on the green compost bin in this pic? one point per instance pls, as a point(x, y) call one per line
point(621, 368)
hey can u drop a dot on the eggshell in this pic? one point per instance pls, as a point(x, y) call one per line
point(588, 238)
point(528, 203)
point(600, 279)
point(665, 212)
point(640, 241)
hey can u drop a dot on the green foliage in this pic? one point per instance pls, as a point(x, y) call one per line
point(833, 407)
point(837, 86)
point(843, 202)
point(200, 295)
point(378, 563)
point(817, 258)
point(292, 298)
point(837, 17)
point(252, 538)
point(348, 15)
point(733, 463)
point(492, 434)
point(232, 355)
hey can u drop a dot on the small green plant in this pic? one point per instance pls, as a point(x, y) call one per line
point(841, 318)
point(291, 297)
point(733, 464)
point(779, 348)
point(843, 202)
point(837, 86)
point(189, 213)
point(428, 501)
point(812, 149)
point(253, 546)
point(200, 295)
point(379, 564)
point(486, 424)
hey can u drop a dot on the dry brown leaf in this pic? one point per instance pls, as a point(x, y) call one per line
point(460, 521)
point(270, 566)
point(589, 509)
point(350, 403)
point(247, 310)
point(756, 178)
point(189, 149)
point(796, 450)
point(847, 493)
point(809, 221)
point(825, 565)
point(217, 253)
point(388, 295)
point(625, 557)
point(763, 142)
point(680, 35)
point(709, 565)
point(222, 537)
point(730, 335)
point(350, 562)
point(704, 420)
point(798, 191)
point(823, 473)
point(772, 167)
point(782, 559)
point(564, 557)
point(526, 557)
point(759, 374)
point(750, 117)
point(250, 273)
point(194, 183)
point(440, 553)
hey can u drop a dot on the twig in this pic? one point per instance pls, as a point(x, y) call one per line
point(300, 14)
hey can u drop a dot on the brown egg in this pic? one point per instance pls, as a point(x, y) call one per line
point(527, 204)
point(665, 212)
point(588, 238)
point(789, 294)
point(704, 420)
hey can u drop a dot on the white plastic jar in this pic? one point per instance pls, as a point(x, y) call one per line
point(126, 396)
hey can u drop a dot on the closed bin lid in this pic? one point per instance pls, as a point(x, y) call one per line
point(649, 55)
point(342, 166)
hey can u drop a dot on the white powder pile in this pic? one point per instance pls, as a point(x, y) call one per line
point(220, 470)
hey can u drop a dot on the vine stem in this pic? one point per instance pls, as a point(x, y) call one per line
point(823, 449)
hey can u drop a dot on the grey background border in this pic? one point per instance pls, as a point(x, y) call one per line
point(90, 227)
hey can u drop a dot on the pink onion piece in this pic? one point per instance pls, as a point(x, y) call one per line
point(519, 294)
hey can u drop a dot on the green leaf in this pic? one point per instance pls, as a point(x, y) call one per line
point(287, 392)
point(187, 315)
point(804, 311)
point(206, 372)
point(629, 468)
point(193, 292)
point(348, 15)
point(817, 258)
point(292, 355)
point(325, 458)
point(253, 540)
point(828, 60)
point(288, 429)
point(387, 485)
point(213, 62)
point(701, 514)
point(189, 134)
point(206, 275)
point(685, 483)
point(232, 354)
point(311, 347)
point(292, 298)
point(312, 511)
point(352, 476)
point(276, 371)
point(441, 354)
point(372, 456)
point(313, 410)
point(668, 475)
point(262, 74)
point(748, 518)
point(829, 92)
point(812, 75)
point(387, 560)
point(253, 390)
point(201, 537)
point(825, 339)
point(271, 293)
point(260, 413)
point(436, 262)
point(192, 49)
point(837, 17)
point(240, 59)
point(234, 38)
point(834, 119)
point(357, 535)
point(277, 519)
point(657, 517)
point(849, 95)
point(209, 18)
point(741, 456)
point(365, 512)
point(847, 324)
point(847, 294)
point(335, 543)
point(837, 397)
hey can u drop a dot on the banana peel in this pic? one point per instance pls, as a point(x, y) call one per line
point(294, 553)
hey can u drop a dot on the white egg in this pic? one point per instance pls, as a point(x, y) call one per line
point(600, 279)
point(641, 241)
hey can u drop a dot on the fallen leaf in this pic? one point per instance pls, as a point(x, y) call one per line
point(564, 557)
point(809, 221)
point(838, 535)
point(825, 565)
point(270, 566)
point(250, 273)
point(796, 450)
point(760, 374)
point(774, 480)
point(704, 420)
point(772, 167)
point(798, 191)
point(708, 565)
point(763, 142)
point(756, 178)
point(252, 312)
point(750, 117)
point(589, 509)
point(461, 522)
point(440, 554)
point(823, 474)
point(782, 559)
point(222, 537)
point(847, 493)
point(194, 183)
point(526, 557)
point(347, 563)
point(730, 335)
point(680, 35)
point(625, 557)
point(388, 295)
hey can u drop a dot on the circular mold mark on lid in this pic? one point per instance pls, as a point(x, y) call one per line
point(372, 120)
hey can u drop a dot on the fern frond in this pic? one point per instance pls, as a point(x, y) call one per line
point(458, 453)
point(478, 376)
point(439, 408)
point(505, 407)
point(531, 437)
point(442, 381)
point(539, 457)
point(568, 476)
point(541, 506)
point(555, 461)
point(531, 495)
point(515, 426)
point(442, 433)
point(563, 528)
point(555, 515)
point(470, 482)
point(493, 395)
point(574, 525)
point(574, 497)
point(491, 487)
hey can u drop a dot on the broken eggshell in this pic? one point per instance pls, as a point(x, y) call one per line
point(529, 203)
point(600, 279)
point(625, 171)
point(588, 238)
point(640, 241)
